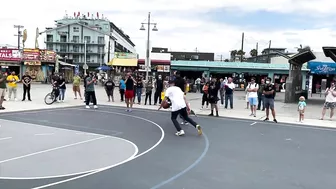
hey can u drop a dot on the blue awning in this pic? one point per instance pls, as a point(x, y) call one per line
point(322, 68)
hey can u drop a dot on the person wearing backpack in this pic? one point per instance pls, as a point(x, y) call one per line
point(252, 90)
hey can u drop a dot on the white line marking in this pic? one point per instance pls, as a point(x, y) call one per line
point(50, 127)
point(253, 123)
point(109, 167)
point(136, 151)
point(6, 138)
point(44, 134)
point(52, 149)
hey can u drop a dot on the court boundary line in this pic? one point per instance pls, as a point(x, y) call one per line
point(136, 151)
point(109, 167)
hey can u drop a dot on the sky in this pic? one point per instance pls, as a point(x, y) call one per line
point(208, 26)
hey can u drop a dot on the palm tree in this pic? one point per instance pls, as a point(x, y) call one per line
point(254, 52)
point(241, 52)
point(233, 53)
point(226, 60)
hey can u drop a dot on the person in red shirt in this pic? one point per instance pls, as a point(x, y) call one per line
point(129, 93)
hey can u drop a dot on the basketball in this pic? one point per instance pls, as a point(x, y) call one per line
point(165, 104)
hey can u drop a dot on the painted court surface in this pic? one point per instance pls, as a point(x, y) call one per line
point(76, 148)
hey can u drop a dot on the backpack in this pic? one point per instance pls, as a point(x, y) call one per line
point(255, 85)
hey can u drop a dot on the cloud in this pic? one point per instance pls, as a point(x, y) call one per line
point(183, 25)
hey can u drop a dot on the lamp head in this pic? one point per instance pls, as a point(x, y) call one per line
point(155, 28)
point(142, 27)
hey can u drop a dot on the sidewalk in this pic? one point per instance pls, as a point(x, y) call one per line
point(285, 113)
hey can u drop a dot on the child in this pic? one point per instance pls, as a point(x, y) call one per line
point(301, 108)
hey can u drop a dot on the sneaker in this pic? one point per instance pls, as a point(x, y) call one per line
point(199, 129)
point(2, 108)
point(266, 119)
point(275, 121)
point(179, 133)
point(87, 107)
point(95, 107)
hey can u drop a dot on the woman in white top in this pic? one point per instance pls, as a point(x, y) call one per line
point(330, 102)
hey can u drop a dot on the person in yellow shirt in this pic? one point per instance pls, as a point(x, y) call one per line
point(12, 85)
point(76, 86)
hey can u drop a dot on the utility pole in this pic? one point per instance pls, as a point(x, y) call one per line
point(242, 48)
point(268, 56)
point(19, 34)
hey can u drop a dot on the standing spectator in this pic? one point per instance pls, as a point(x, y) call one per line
point(3, 88)
point(301, 108)
point(76, 86)
point(213, 96)
point(55, 83)
point(269, 92)
point(222, 91)
point(261, 96)
point(122, 88)
point(229, 89)
point(90, 91)
point(205, 95)
point(109, 88)
point(139, 87)
point(330, 101)
point(129, 93)
point(62, 87)
point(198, 84)
point(26, 80)
point(12, 85)
point(149, 89)
point(158, 90)
point(252, 89)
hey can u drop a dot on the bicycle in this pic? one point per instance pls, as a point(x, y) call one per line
point(50, 98)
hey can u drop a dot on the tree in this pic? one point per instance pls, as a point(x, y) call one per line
point(233, 53)
point(241, 52)
point(254, 52)
point(226, 60)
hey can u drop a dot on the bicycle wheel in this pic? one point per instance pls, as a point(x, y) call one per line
point(49, 98)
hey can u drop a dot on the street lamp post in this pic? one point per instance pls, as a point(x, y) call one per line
point(148, 62)
point(85, 66)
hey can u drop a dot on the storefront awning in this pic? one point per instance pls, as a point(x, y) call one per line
point(123, 62)
point(66, 64)
point(322, 68)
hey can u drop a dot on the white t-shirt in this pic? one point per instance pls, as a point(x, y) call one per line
point(330, 97)
point(253, 86)
point(176, 96)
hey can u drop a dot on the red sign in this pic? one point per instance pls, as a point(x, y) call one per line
point(10, 55)
point(31, 54)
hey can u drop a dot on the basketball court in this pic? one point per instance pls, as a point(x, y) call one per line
point(108, 148)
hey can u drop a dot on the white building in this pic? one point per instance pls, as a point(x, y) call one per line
point(98, 36)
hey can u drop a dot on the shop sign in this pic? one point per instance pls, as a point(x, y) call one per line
point(10, 55)
point(122, 55)
point(31, 54)
point(33, 63)
point(47, 56)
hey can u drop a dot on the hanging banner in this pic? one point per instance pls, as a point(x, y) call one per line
point(31, 54)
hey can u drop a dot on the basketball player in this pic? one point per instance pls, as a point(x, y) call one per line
point(180, 106)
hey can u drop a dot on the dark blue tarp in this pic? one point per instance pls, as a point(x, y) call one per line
point(322, 68)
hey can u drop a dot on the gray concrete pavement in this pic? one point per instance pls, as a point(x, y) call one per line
point(285, 112)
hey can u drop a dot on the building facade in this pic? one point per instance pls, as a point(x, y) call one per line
point(267, 55)
point(94, 40)
point(191, 56)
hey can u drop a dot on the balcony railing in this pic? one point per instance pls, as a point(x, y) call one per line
point(80, 42)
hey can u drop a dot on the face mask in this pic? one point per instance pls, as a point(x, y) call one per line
point(268, 82)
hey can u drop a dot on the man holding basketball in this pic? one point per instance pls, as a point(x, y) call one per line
point(129, 93)
point(180, 106)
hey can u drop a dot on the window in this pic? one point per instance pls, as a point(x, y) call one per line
point(76, 48)
point(50, 38)
point(50, 47)
point(75, 39)
point(76, 58)
point(100, 40)
point(63, 38)
point(87, 39)
point(75, 29)
point(63, 48)
point(88, 57)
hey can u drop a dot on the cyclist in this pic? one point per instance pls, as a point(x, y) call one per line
point(55, 85)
